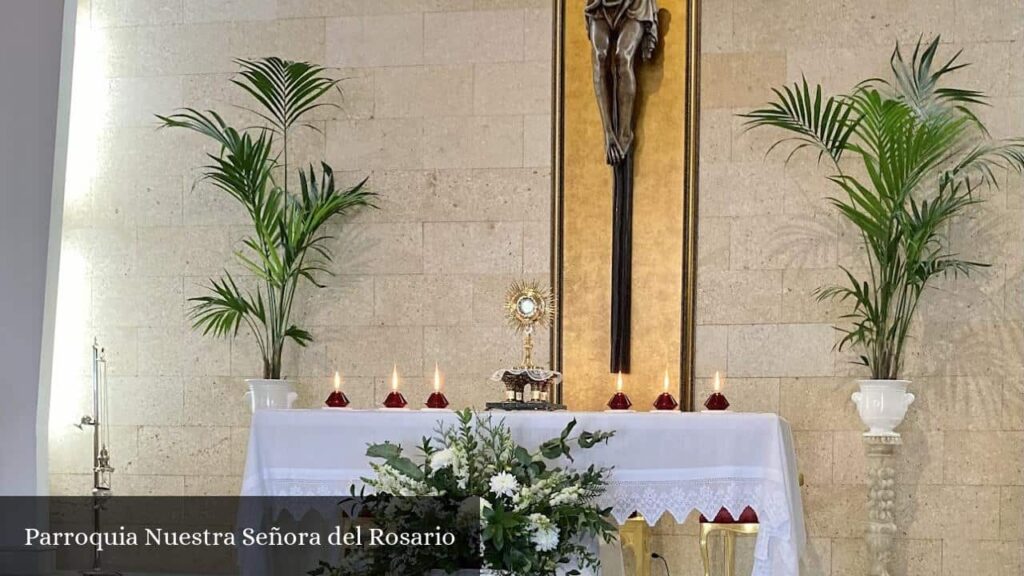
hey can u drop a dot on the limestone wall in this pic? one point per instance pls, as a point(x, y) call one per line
point(768, 239)
point(447, 108)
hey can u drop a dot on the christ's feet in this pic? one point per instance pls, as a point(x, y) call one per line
point(613, 150)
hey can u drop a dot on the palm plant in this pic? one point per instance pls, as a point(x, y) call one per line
point(908, 155)
point(287, 244)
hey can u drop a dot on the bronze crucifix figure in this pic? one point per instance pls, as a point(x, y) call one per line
point(621, 33)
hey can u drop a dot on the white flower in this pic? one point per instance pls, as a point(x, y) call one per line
point(442, 459)
point(544, 535)
point(545, 540)
point(504, 484)
point(568, 495)
point(538, 521)
point(390, 481)
point(460, 466)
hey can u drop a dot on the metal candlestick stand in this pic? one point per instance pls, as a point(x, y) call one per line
point(101, 471)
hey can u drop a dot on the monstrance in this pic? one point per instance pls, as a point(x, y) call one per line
point(528, 307)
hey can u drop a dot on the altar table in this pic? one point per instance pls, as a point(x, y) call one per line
point(663, 462)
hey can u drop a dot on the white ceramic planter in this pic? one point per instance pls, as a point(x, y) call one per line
point(270, 394)
point(882, 405)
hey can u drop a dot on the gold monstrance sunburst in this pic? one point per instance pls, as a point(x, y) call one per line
point(529, 306)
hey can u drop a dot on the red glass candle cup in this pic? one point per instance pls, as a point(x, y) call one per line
point(395, 400)
point(716, 402)
point(665, 401)
point(620, 402)
point(437, 400)
point(337, 399)
point(748, 516)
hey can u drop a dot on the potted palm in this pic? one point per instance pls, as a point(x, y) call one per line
point(907, 156)
point(287, 245)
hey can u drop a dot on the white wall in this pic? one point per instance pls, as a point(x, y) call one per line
point(30, 66)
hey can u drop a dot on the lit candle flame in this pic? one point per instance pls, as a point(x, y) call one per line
point(437, 378)
point(337, 380)
point(394, 378)
point(718, 382)
point(618, 383)
point(666, 380)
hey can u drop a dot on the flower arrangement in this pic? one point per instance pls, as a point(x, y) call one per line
point(534, 516)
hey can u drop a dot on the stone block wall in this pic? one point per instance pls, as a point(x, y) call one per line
point(446, 106)
point(768, 238)
point(447, 109)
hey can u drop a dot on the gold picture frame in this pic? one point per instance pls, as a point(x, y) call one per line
point(562, 20)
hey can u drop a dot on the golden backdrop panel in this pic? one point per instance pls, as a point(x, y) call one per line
point(663, 207)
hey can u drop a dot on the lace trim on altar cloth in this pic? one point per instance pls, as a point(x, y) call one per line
point(776, 551)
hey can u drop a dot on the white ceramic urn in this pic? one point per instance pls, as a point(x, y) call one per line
point(270, 394)
point(882, 405)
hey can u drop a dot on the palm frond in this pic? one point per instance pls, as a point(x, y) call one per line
point(821, 124)
point(225, 309)
point(287, 90)
point(918, 83)
point(298, 335)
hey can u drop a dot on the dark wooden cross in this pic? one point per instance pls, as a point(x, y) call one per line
point(622, 32)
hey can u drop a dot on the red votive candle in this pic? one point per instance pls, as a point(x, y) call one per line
point(395, 400)
point(337, 399)
point(665, 401)
point(437, 401)
point(619, 400)
point(716, 402)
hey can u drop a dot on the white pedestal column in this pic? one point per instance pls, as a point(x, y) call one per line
point(881, 528)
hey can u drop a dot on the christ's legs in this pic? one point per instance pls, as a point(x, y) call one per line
point(626, 46)
point(601, 40)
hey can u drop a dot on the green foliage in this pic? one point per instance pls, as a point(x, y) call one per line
point(909, 155)
point(287, 245)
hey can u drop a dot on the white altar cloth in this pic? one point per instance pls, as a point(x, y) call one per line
point(673, 463)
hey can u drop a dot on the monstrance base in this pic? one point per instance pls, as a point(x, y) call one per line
point(525, 406)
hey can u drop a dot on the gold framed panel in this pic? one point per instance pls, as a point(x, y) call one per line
point(668, 330)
